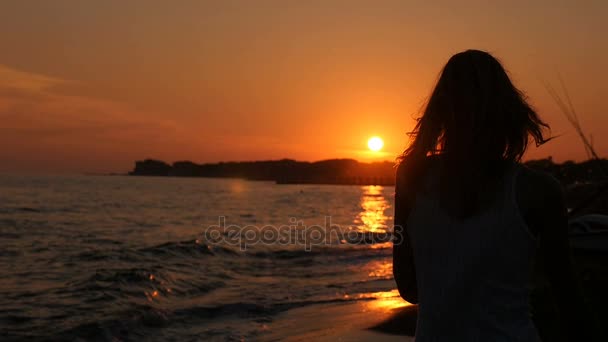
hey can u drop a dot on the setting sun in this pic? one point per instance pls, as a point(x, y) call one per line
point(375, 143)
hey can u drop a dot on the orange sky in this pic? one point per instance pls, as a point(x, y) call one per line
point(91, 86)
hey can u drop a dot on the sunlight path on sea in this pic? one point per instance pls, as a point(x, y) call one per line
point(372, 217)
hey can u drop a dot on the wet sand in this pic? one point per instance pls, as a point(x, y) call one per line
point(387, 318)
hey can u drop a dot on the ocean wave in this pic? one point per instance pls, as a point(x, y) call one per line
point(347, 252)
point(185, 250)
point(37, 210)
point(188, 248)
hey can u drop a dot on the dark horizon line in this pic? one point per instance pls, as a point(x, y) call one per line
point(126, 173)
point(338, 171)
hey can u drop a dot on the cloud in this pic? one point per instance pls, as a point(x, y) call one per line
point(26, 81)
point(38, 119)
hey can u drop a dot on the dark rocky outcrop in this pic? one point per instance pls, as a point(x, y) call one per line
point(151, 167)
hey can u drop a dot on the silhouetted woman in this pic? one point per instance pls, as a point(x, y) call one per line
point(473, 216)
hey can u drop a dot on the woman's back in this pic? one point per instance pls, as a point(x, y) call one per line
point(463, 249)
point(473, 274)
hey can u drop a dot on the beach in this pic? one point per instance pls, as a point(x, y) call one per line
point(385, 318)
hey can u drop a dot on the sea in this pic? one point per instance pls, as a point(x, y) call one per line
point(124, 258)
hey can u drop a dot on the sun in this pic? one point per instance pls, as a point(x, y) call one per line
point(375, 143)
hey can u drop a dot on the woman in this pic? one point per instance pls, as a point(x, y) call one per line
point(469, 218)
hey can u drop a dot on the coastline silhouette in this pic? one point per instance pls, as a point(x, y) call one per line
point(343, 171)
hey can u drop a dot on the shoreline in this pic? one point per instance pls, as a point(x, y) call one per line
point(386, 317)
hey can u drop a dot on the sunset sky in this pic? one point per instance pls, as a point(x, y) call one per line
point(91, 86)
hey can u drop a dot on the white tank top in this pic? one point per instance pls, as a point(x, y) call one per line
point(473, 275)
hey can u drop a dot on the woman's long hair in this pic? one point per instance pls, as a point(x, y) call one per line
point(478, 122)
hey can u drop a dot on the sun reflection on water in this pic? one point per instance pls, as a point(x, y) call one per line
point(381, 269)
point(373, 205)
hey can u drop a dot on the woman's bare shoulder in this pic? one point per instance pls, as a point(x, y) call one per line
point(537, 184)
point(539, 198)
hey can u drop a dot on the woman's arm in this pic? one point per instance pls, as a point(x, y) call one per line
point(547, 217)
point(403, 259)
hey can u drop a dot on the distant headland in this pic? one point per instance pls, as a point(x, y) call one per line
point(341, 171)
point(284, 171)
